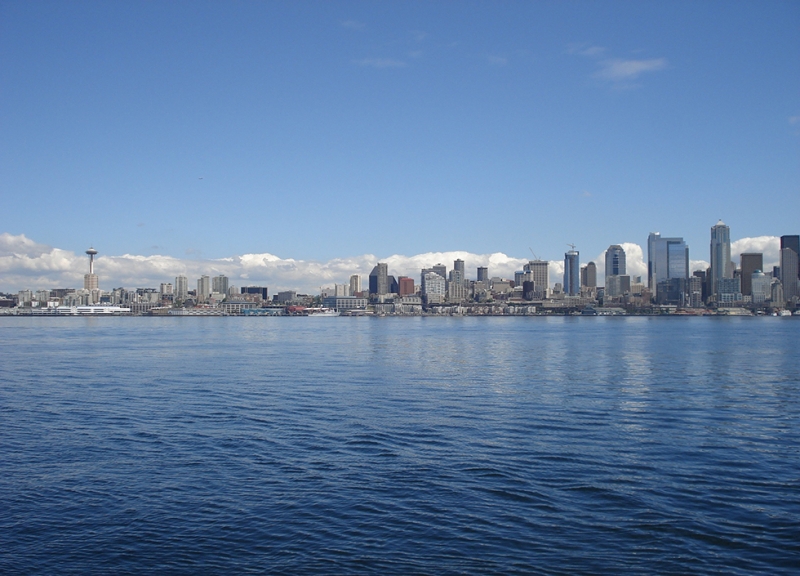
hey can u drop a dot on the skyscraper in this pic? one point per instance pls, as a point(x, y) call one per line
point(355, 284)
point(541, 276)
point(405, 286)
point(459, 265)
point(181, 288)
point(589, 275)
point(792, 243)
point(219, 284)
point(483, 274)
point(750, 261)
point(203, 288)
point(667, 258)
point(379, 279)
point(789, 272)
point(615, 261)
point(721, 266)
point(572, 273)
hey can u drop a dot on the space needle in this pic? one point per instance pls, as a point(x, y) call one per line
point(90, 280)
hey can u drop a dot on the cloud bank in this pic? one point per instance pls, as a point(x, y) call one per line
point(26, 264)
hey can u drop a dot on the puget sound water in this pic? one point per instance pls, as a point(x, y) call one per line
point(399, 445)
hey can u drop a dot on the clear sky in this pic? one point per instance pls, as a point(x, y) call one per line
point(329, 130)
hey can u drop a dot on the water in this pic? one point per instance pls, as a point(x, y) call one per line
point(408, 445)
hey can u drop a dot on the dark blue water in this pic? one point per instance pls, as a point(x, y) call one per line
point(409, 445)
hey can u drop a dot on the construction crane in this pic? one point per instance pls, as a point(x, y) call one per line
point(571, 246)
point(535, 257)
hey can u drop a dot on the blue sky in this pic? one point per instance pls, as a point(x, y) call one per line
point(328, 130)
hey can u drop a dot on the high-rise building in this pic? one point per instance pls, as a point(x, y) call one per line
point(181, 288)
point(459, 265)
point(261, 291)
point(379, 279)
point(789, 270)
point(589, 275)
point(219, 284)
point(760, 287)
point(355, 284)
point(541, 277)
point(405, 286)
point(166, 289)
point(615, 261)
point(341, 290)
point(791, 242)
point(90, 281)
point(483, 274)
point(667, 258)
point(203, 288)
point(433, 287)
point(617, 282)
point(750, 262)
point(441, 270)
point(572, 273)
point(721, 265)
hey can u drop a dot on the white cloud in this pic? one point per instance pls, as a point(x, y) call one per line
point(584, 50)
point(617, 69)
point(769, 246)
point(380, 63)
point(24, 264)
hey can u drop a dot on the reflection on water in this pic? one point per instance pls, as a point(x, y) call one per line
point(414, 445)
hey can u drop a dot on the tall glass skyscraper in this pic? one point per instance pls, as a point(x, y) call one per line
point(615, 261)
point(721, 265)
point(667, 258)
point(572, 273)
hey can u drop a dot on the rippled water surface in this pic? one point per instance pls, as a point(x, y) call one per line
point(408, 445)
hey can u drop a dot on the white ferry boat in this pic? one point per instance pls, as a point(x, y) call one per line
point(321, 312)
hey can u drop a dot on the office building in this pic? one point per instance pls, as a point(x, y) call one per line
point(760, 287)
point(433, 287)
point(181, 288)
point(219, 284)
point(617, 286)
point(615, 261)
point(589, 275)
point(355, 285)
point(405, 286)
point(572, 273)
point(667, 258)
point(441, 270)
point(541, 277)
point(379, 279)
point(261, 291)
point(341, 290)
point(721, 265)
point(483, 274)
point(203, 288)
point(791, 242)
point(459, 266)
point(789, 271)
point(750, 262)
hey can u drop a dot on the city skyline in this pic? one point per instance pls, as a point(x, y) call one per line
point(25, 264)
